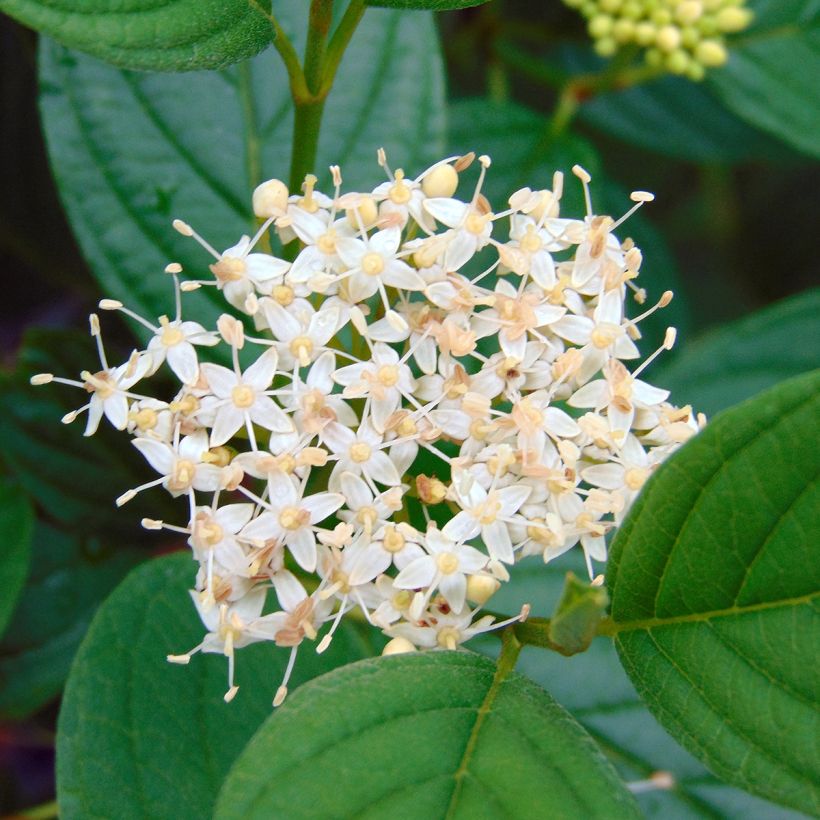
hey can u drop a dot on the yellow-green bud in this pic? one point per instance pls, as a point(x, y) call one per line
point(623, 31)
point(600, 26)
point(711, 54)
point(678, 61)
point(645, 33)
point(662, 17)
point(606, 47)
point(668, 38)
point(688, 11)
point(733, 19)
point(696, 72)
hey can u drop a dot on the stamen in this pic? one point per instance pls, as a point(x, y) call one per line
point(585, 180)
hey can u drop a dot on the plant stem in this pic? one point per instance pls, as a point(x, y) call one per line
point(322, 59)
point(339, 42)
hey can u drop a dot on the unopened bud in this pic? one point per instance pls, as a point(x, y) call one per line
point(270, 199)
point(430, 490)
point(398, 646)
point(481, 587)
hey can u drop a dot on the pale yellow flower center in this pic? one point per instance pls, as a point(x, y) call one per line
point(388, 375)
point(372, 263)
point(292, 518)
point(360, 452)
point(243, 396)
point(447, 563)
point(394, 541)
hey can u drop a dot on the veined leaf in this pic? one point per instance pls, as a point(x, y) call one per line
point(69, 577)
point(132, 151)
point(770, 79)
point(595, 689)
point(422, 736)
point(177, 35)
point(16, 526)
point(714, 581)
point(141, 738)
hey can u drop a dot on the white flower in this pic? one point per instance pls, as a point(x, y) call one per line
point(243, 399)
point(291, 517)
point(445, 567)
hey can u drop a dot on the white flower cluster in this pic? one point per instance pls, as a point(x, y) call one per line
point(389, 434)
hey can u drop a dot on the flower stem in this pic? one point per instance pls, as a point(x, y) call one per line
point(322, 59)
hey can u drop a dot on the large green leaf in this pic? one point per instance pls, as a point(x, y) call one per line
point(16, 525)
point(73, 479)
point(671, 116)
point(423, 736)
point(518, 141)
point(132, 151)
point(68, 579)
point(175, 35)
point(680, 119)
point(141, 738)
point(771, 77)
point(736, 361)
point(595, 689)
point(714, 581)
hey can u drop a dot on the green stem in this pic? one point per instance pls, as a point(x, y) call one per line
point(307, 121)
point(322, 58)
point(319, 20)
point(253, 157)
point(340, 41)
point(281, 42)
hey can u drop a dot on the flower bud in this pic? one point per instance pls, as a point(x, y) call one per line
point(270, 199)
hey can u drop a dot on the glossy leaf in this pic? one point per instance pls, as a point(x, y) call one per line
point(680, 119)
point(69, 577)
point(714, 584)
point(771, 77)
point(429, 735)
point(671, 116)
point(73, 479)
point(733, 362)
point(141, 738)
point(133, 151)
point(595, 689)
point(178, 35)
point(16, 526)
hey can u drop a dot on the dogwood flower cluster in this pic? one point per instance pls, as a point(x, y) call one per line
point(680, 36)
point(415, 393)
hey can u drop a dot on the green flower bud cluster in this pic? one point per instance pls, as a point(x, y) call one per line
point(683, 37)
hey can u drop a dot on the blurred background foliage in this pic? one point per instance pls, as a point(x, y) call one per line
point(733, 231)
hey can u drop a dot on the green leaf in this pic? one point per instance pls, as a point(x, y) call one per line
point(671, 116)
point(518, 141)
point(771, 77)
point(430, 5)
point(579, 611)
point(16, 525)
point(680, 119)
point(73, 479)
point(68, 579)
point(738, 360)
point(714, 584)
point(132, 151)
point(420, 736)
point(176, 35)
point(141, 738)
point(595, 689)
